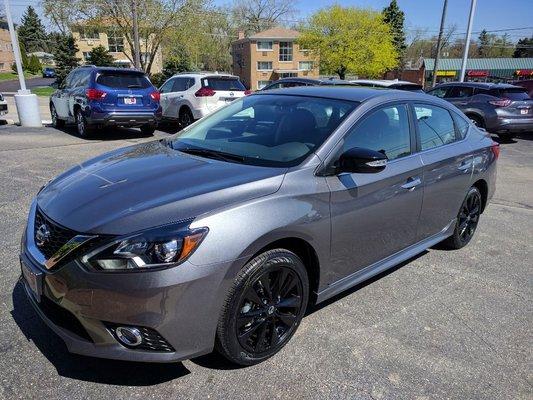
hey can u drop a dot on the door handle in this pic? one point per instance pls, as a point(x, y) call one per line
point(465, 166)
point(411, 184)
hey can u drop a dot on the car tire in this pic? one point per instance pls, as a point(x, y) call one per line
point(56, 122)
point(264, 307)
point(148, 130)
point(467, 220)
point(185, 117)
point(505, 136)
point(478, 121)
point(83, 128)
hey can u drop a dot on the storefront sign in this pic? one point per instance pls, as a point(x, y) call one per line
point(447, 73)
point(524, 72)
point(477, 73)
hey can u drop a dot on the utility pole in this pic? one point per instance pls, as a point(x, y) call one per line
point(439, 43)
point(467, 39)
point(137, 55)
point(26, 102)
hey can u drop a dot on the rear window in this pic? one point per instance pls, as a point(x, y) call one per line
point(409, 88)
point(223, 83)
point(512, 94)
point(120, 80)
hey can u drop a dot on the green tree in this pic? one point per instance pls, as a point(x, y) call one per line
point(395, 17)
point(65, 57)
point(31, 31)
point(100, 56)
point(350, 40)
point(524, 48)
point(23, 56)
point(34, 65)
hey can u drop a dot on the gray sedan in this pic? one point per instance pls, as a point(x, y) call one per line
point(225, 233)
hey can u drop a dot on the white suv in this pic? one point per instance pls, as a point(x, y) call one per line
point(187, 97)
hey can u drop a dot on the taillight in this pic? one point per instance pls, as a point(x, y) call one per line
point(155, 96)
point(500, 103)
point(495, 149)
point(204, 92)
point(95, 94)
point(247, 92)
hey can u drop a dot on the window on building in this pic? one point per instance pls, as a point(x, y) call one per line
point(264, 45)
point(264, 65)
point(86, 55)
point(305, 65)
point(2, 66)
point(435, 125)
point(287, 75)
point(262, 84)
point(285, 51)
point(115, 41)
point(89, 33)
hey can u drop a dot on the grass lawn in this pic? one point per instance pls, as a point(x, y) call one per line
point(11, 76)
point(43, 90)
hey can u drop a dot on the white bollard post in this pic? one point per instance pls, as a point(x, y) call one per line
point(28, 109)
point(27, 103)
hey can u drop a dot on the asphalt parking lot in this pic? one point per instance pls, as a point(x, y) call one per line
point(447, 324)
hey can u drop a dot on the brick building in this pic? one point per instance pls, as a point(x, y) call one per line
point(6, 51)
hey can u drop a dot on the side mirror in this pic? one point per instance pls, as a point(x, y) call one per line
point(55, 85)
point(361, 160)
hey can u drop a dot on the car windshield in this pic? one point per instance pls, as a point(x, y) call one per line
point(269, 130)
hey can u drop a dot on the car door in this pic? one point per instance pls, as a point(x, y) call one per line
point(77, 89)
point(374, 215)
point(447, 167)
point(176, 96)
point(61, 99)
point(165, 91)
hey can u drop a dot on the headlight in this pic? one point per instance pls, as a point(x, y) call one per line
point(162, 247)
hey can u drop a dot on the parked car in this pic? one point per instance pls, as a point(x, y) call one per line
point(527, 84)
point(3, 105)
point(294, 82)
point(389, 84)
point(96, 97)
point(49, 72)
point(499, 108)
point(187, 97)
point(227, 232)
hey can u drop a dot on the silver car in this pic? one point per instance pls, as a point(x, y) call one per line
point(223, 235)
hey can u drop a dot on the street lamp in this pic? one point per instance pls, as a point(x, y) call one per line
point(26, 102)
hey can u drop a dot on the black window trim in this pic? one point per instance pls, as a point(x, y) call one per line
point(455, 127)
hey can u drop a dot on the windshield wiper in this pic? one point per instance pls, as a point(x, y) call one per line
point(134, 86)
point(208, 153)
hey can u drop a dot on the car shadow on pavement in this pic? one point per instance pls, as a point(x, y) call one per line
point(106, 134)
point(123, 373)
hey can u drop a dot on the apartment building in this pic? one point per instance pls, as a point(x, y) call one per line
point(7, 57)
point(88, 37)
point(271, 55)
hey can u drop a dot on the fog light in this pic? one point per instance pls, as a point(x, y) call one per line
point(129, 336)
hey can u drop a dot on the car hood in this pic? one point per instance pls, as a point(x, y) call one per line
point(147, 185)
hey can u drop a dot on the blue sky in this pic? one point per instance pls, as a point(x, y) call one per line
point(490, 14)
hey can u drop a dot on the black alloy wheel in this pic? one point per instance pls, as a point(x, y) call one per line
point(84, 130)
point(269, 309)
point(467, 220)
point(56, 122)
point(264, 307)
point(185, 118)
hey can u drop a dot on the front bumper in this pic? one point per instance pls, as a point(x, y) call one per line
point(181, 304)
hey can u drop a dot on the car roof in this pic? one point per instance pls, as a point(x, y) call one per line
point(480, 85)
point(203, 74)
point(111, 69)
point(383, 82)
point(349, 93)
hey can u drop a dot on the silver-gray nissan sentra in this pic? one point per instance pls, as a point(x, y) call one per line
point(224, 234)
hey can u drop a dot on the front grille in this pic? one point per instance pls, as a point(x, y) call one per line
point(59, 235)
point(152, 340)
point(62, 318)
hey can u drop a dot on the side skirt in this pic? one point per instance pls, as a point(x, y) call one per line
point(385, 264)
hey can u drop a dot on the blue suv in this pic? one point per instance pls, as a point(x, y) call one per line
point(94, 97)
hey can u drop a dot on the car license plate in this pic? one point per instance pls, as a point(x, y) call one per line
point(130, 100)
point(32, 279)
point(524, 111)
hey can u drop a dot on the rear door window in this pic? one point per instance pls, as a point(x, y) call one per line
point(182, 84)
point(513, 94)
point(435, 126)
point(122, 80)
point(224, 84)
point(459, 92)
